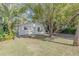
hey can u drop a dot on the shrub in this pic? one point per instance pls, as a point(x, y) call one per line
point(69, 31)
point(6, 36)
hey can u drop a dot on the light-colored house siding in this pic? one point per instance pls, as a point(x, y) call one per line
point(31, 28)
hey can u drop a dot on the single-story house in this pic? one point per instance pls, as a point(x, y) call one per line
point(31, 29)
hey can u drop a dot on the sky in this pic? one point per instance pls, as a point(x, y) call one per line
point(28, 14)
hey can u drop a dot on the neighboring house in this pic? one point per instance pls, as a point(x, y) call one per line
point(31, 29)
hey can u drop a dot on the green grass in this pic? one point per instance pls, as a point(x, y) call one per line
point(41, 46)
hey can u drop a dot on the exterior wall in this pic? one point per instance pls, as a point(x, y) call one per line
point(31, 29)
point(42, 30)
point(22, 31)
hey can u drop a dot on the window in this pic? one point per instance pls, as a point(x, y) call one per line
point(39, 29)
point(25, 28)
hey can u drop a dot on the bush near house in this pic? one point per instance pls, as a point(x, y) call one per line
point(69, 31)
point(4, 33)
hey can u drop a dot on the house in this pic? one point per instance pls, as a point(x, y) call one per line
point(31, 29)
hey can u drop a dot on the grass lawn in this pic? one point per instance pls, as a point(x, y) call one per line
point(39, 46)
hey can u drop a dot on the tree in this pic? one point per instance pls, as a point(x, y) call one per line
point(76, 40)
point(69, 13)
point(9, 12)
point(44, 13)
point(62, 14)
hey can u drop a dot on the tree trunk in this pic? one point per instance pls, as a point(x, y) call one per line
point(76, 40)
point(50, 28)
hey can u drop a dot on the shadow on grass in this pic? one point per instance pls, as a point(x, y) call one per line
point(62, 43)
point(46, 38)
point(65, 36)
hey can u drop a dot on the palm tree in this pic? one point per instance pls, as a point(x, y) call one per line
point(10, 11)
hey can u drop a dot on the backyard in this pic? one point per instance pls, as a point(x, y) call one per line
point(61, 44)
point(39, 29)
